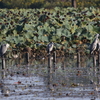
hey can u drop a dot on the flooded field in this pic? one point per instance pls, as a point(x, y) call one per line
point(19, 81)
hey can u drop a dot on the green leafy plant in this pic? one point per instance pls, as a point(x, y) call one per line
point(69, 28)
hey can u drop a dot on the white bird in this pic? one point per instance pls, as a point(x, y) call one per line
point(3, 49)
point(94, 45)
point(50, 47)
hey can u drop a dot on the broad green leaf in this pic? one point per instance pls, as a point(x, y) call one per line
point(45, 38)
point(89, 27)
point(35, 38)
point(65, 33)
point(19, 28)
point(59, 32)
point(96, 29)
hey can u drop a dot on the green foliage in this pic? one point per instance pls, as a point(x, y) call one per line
point(47, 3)
point(69, 28)
point(88, 3)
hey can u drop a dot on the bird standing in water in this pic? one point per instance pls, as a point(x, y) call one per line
point(50, 47)
point(3, 49)
point(94, 45)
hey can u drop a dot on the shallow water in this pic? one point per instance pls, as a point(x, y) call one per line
point(30, 82)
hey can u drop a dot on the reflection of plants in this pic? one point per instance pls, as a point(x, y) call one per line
point(69, 28)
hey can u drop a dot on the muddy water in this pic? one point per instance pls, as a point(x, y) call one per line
point(20, 81)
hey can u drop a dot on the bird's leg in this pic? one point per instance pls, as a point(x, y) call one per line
point(49, 68)
point(94, 64)
point(98, 61)
point(49, 53)
point(54, 60)
point(3, 62)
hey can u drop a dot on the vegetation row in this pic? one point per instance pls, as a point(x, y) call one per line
point(69, 28)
